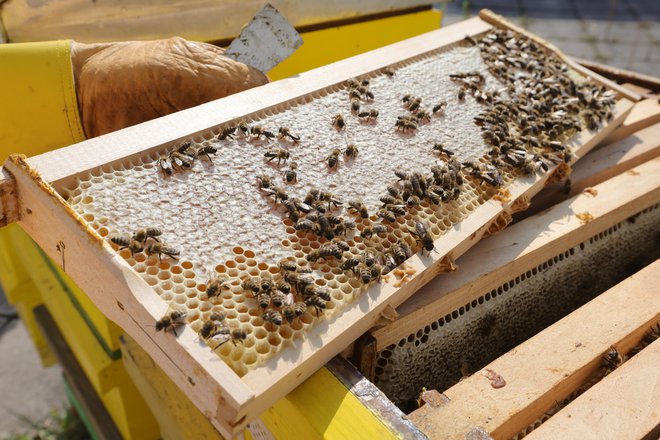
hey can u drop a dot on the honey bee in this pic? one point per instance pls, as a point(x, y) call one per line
point(461, 94)
point(368, 115)
point(611, 360)
point(470, 40)
point(422, 115)
point(397, 210)
point(143, 235)
point(326, 251)
point(236, 335)
point(333, 159)
point(316, 303)
point(304, 225)
point(343, 227)
point(166, 166)
point(227, 132)
point(355, 105)
point(206, 150)
point(413, 201)
point(386, 215)
point(354, 94)
point(338, 122)
point(126, 242)
point(422, 236)
point(278, 298)
point(280, 154)
point(244, 129)
point(299, 281)
point(263, 299)
point(313, 290)
point(326, 196)
point(277, 192)
point(352, 83)
point(389, 72)
point(290, 175)
point(350, 264)
point(215, 285)
point(376, 271)
point(251, 285)
point(294, 311)
point(171, 321)
point(365, 274)
point(162, 249)
point(351, 151)
point(257, 131)
point(287, 265)
point(401, 252)
point(273, 317)
point(284, 287)
point(358, 207)
point(440, 148)
point(179, 159)
point(217, 316)
point(286, 132)
point(404, 124)
point(264, 181)
point(209, 328)
point(341, 244)
point(440, 107)
point(414, 104)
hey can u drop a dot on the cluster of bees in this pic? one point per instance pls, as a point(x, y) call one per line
point(523, 125)
point(139, 242)
point(545, 105)
point(417, 115)
point(182, 157)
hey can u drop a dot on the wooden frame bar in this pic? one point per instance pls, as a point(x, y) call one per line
point(645, 113)
point(501, 258)
point(226, 399)
point(572, 350)
point(624, 405)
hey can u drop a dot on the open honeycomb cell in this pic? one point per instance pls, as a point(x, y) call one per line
point(459, 343)
point(220, 223)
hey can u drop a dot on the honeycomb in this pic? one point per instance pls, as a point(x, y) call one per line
point(465, 340)
point(224, 227)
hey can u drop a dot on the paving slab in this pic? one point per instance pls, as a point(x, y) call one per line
point(28, 390)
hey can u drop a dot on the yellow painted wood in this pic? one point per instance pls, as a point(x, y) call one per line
point(329, 45)
point(323, 408)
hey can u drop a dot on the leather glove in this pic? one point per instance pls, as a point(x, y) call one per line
point(125, 83)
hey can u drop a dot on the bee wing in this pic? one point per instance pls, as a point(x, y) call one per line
point(420, 228)
point(304, 207)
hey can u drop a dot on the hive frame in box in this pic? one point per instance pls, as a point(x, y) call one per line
point(225, 398)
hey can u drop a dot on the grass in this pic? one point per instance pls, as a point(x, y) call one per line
point(59, 425)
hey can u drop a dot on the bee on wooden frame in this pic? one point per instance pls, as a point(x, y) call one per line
point(171, 320)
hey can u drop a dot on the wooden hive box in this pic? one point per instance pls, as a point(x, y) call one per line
point(31, 193)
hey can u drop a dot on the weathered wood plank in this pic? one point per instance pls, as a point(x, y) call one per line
point(644, 114)
point(572, 350)
point(625, 405)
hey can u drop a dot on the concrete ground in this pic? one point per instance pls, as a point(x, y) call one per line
point(623, 33)
point(29, 391)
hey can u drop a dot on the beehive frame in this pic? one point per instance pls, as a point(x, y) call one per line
point(225, 398)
